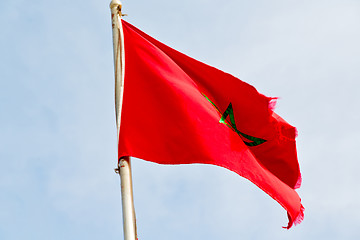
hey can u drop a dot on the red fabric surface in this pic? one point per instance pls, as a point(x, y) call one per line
point(167, 119)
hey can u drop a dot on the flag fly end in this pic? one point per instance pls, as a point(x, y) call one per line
point(297, 220)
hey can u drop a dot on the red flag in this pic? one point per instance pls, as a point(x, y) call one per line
point(177, 110)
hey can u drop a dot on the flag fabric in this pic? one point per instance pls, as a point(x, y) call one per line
point(177, 110)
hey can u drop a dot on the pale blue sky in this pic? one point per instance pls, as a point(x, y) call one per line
point(58, 134)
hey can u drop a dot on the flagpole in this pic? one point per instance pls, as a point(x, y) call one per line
point(124, 165)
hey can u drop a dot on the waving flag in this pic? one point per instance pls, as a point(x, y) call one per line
point(177, 110)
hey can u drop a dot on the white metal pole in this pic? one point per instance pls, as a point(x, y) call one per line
point(124, 166)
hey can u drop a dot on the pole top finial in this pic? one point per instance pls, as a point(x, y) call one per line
point(115, 4)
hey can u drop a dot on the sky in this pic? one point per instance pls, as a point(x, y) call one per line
point(58, 134)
